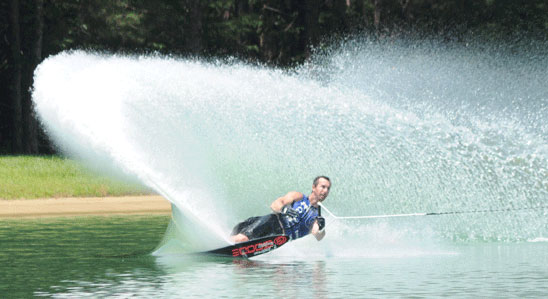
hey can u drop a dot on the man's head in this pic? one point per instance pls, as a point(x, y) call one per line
point(320, 189)
point(317, 180)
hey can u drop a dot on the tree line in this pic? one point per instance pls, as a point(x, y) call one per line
point(275, 32)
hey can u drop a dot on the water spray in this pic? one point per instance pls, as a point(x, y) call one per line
point(431, 213)
point(454, 127)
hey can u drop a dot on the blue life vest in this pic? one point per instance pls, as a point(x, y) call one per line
point(300, 226)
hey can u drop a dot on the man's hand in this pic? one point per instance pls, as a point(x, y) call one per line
point(285, 200)
point(318, 229)
point(321, 222)
point(289, 212)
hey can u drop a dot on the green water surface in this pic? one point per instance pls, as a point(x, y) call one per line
point(45, 256)
point(97, 257)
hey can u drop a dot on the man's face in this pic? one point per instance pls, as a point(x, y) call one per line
point(321, 190)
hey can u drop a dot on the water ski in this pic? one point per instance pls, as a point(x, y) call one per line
point(250, 248)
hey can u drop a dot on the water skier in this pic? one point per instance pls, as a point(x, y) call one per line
point(294, 215)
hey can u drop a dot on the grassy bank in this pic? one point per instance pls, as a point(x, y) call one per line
point(52, 176)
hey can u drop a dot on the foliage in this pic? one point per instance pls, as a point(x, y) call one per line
point(277, 32)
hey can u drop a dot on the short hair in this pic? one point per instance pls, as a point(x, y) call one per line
point(317, 179)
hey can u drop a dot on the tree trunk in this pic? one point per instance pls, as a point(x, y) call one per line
point(30, 128)
point(39, 18)
point(311, 15)
point(194, 38)
point(340, 7)
point(15, 49)
point(405, 9)
point(267, 43)
point(377, 18)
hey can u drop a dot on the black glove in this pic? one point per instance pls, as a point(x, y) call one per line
point(321, 222)
point(289, 212)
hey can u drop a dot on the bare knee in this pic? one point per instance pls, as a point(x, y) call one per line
point(239, 238)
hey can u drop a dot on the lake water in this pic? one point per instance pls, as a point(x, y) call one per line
point(111, 257)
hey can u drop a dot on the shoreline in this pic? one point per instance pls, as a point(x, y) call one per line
point(84, 206)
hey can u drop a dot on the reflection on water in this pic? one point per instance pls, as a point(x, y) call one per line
point(58, 254)
point(474, 270)
point(214, 276)
point(110, 257)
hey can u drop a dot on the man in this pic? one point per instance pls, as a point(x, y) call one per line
point(294, 215)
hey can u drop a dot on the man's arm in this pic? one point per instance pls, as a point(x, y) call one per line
point(316, 231)
point(289, 198)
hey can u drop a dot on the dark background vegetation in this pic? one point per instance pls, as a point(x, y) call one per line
point(281, 33)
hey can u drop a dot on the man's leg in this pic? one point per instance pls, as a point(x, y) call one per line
point(252, 228)
point(239, 238)
point(237, 235)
